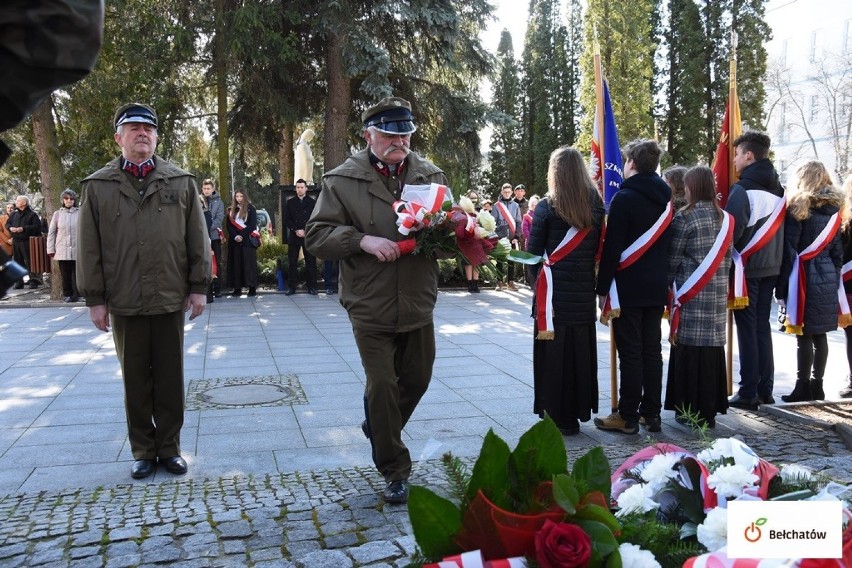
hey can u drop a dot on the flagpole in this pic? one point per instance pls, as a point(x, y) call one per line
point(732, 173)
point(599, 118)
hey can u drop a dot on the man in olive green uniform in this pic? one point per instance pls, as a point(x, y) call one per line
point(390, 298)
point(143, 260)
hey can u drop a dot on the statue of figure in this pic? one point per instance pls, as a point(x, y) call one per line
point(304, 162)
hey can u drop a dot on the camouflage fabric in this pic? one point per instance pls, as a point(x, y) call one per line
point(44, 44)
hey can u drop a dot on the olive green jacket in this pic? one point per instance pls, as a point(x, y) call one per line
point(141, 255)
point(386, 296)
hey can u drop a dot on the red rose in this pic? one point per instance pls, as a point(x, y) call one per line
point(562, 545)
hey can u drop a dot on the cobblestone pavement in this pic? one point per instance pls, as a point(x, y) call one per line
point(310, 512)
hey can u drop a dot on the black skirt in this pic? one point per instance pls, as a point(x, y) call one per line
point(697, 380)
point(565, 374)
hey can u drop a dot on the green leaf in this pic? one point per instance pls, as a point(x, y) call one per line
point(435, 521)
point(688, 530)
point(565, 493)
point(603, 541)
point(490, 473)
point(539, 455)
point(593, 469)
point(614, 559)
point(524, 257)
point(592, 512)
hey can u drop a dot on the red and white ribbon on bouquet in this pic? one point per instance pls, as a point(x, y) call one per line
point(612, 307)
point(738, 296)
point(473, 559)
point(719, 559)
point(544, 284)
point(702, 275)
point(416, 203)
point(844, 318)
point(797, 282)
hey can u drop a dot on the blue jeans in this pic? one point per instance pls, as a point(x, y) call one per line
point(754, 338)
point(329, 274)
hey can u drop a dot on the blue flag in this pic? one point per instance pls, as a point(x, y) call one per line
point(610, 176)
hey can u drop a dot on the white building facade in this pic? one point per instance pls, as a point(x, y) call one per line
point(809, 84)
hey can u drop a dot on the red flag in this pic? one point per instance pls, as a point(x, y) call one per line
point(732, 127)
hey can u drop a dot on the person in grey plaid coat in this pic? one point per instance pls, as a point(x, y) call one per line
point(697, 379)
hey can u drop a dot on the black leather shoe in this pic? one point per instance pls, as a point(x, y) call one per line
point(67, 299)
point(769, 399)
point(312, 291)
point(142, 468)
point(396, 492)
point(740, 402)
point(19, 286)
point(365, 429)
point(572, 429)
point(329, 291)
point(652, 423)
point(175, 465)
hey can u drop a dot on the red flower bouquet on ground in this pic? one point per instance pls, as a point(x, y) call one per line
point(521, 502)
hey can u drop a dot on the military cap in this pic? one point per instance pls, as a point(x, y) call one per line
point(520, 186)
point(391, 115)
point(135, 112)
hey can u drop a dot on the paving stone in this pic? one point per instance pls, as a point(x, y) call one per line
point(12, 550)
point(87, 538)
point(124, 548)
point(337, 527)
point(374, 552)
point(384, 532)
point(89, 562)
point(84, 551)
point(299, 549)
point(325, 559)
point(126, 533)
point(234, 546)
point(126, 561)
point(45, 556)
point(341, 540)
point(263, 554)
point(234, 529)
point(162, 554)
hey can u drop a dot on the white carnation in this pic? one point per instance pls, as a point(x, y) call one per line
point(486, 221)
point(713, 532)
point(634, 557)
point(481, 233)
point(660, 469)
point(636, 499)
point(792, 473)
point(730, 480)
point(467, 205)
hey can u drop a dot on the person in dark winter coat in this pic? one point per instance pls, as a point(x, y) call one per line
point(641, 211)
point(565, 368)
point(755, 200)
point(813, 207)
point(217, 216)
point(297, 211)
point(847, 284)
point(242, 256)
point(24, 223)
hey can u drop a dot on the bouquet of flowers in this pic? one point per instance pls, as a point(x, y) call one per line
point(439, 228)
point(521, 503)
point(525, 507)
point(666, 490)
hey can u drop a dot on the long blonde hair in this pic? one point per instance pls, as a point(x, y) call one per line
point(236, 210)
point(810, 179)
point(847, 209)
point(570, 189)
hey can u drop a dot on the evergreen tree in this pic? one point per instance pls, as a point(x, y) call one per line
point(505, 140)
point(684, 119)
point(752, 34)
point(539, 137)
point(625, 37)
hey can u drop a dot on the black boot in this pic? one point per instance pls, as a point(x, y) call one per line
point(816, 390)
point(847, 392)
point(470, 285)
point(476, 286)
point(801, 392)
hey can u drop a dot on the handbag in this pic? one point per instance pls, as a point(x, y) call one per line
point(254, 239)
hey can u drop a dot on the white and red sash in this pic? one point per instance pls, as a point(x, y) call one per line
point(544, 283)
point(702, 275)
point(504, 212)
point(474, 559)
point(844, 318)
point(797, 281)
point(612, 307)
point(738, 295)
